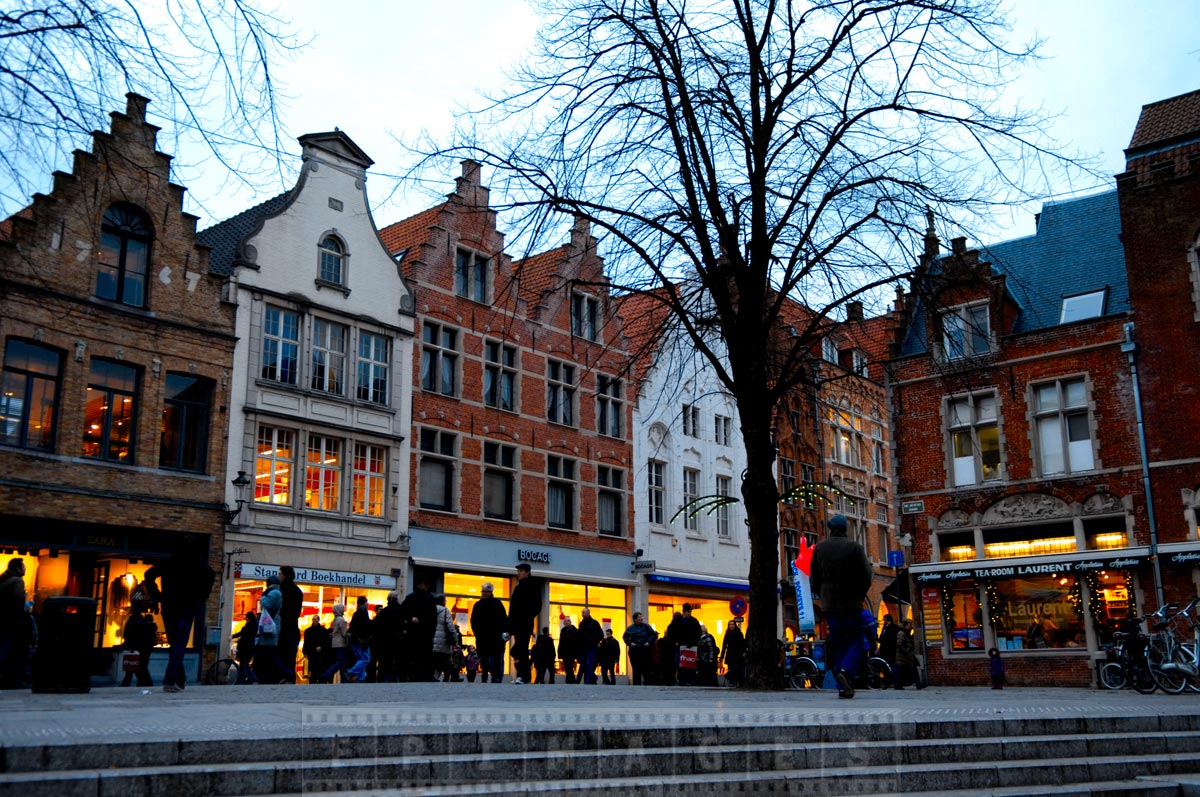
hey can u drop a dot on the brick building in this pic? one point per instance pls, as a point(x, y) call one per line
point(1160, 220)
point(320, 389)
point(521, 414)
point(117, 358)
point(1017, 452)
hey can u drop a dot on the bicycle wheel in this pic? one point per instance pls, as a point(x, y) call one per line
point(223, 672)
point(879, 674)
point(1112, 676)
point(1159, 654)
point(805, 674)
point(1140, 678)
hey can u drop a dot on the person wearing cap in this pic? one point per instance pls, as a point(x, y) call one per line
point(841, 576)
point(524, 606)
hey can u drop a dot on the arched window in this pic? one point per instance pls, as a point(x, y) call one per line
point(125, 237)
point(333, 257)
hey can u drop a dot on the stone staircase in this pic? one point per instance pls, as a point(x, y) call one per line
point(1120, 755)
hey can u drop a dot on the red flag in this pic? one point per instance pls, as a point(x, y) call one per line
point(804, 558)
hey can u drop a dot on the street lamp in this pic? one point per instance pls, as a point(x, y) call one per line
point(240, 484)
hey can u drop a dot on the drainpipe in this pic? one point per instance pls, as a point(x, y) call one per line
point(1130, 348)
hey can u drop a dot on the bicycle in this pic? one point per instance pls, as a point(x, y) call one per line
point(1127, 662)
point(1173, 663)
point(222, 672)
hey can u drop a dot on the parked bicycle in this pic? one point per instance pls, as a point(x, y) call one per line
point(1174, 657)
point(1126, 665)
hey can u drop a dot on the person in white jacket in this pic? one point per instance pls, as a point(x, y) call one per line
point(445, 639)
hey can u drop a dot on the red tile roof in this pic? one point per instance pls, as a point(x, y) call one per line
point(539, 274)
point(1167, 119)
point(410, 232)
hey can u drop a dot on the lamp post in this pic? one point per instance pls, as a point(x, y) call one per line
point(240, 484)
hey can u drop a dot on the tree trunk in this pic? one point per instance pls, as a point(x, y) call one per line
point(762, 512)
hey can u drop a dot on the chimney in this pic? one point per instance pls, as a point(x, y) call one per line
point(854, 311)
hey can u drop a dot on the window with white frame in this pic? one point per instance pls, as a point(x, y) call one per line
point(560, 393)
point(829, 350)
point(725, 490)
point(436, 471)
point(560, 492)
point(322, 473)
point(656, 480)
point(881, 513)
point(273, 465)
point(499, 375)
point(610, 491)
point(966, 331)
point(328, 356)
point(368, 479)
point(439, 359)
point(1063, 421)
point(691, 420)
point(281, 346)
point(374, 358)
point(471, 275)
point(974, 438)
point(787, 475)
point(585, 316)
point(331, 260)
point(721, 429)
point(691, 492)
point(499, 480)
point(609, 406)
point(859, 362)
point(845, 440)
point(878, 462)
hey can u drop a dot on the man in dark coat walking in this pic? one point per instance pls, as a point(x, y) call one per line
point(186, 582)
point(419, 611)
point(568, 650)
point(841, 576)
point(590, 637)
point(387, 642)
point(489, 622)
point(524, 606)
point(887, 641)
point(289, 620)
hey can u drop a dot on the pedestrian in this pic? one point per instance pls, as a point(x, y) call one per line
point(268, 667)
point(472, 663)
point(610, 654)
point(420, 624)
point(887, 640)
point(187, 581)
point(360, 641)
point(543, 657)
point(246, 646)
point(445, 639)
point(841, 576)
point(687, 639)
point(489, 623)
point(339, 641)
point(668, 652)
point(996, 668)
point(524, 606)
point(140, 635)
point(640, 640)
point(318, 650)
point(906, 659)
point(289, 620)
point(14, 626)
point(568, 649)
point(706, 658)
point(733, 653)
point(590, 637)
point(388, 641)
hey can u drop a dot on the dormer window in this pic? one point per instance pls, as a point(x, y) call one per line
point(124, 261)
point(966, 331)
point(829, 350)
point(1084, 305)
point(470, 275)
point(332, 260)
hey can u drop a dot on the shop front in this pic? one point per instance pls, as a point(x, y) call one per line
point(104, 563)
point(571, 579)
point(1049, 617)
point(715, 602)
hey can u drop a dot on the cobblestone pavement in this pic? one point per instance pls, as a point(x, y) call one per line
point(236, 712)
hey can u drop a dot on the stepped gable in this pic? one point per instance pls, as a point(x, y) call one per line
point(1166, 123)
point(644, 319)
point(538, 275)
point(225, 239)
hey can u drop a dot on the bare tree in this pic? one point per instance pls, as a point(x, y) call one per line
point(64, 64)
point(739, 154)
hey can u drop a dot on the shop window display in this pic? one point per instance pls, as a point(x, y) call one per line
point(1038, 613)
point(964, 615)
point(607, 605)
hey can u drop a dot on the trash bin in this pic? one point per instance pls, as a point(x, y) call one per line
point(66, 629)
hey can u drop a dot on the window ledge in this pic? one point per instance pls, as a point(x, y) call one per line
point(562, 529)
point(662, 530)
point(333, 286)
point(695, 535)
point(508, 521)
point(436, 510)
point(271, 384)
point(727, 541)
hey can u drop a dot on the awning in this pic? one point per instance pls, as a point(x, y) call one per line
point(897, 592)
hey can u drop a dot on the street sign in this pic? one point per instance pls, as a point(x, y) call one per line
point(912, 507)
point(644, 566)
point(895, 559)
point(738, 606)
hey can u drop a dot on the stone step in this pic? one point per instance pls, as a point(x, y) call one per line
point(889, 766)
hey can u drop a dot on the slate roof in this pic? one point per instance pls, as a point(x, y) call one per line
point(225, 238)
point(1167, 121)
point(1076, 249)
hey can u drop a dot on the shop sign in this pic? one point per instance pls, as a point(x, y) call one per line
point(1028, 569)
point(931, 608)
point(644, 566)
point(541, 557)
point(313, 575)
point(1191, 558)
